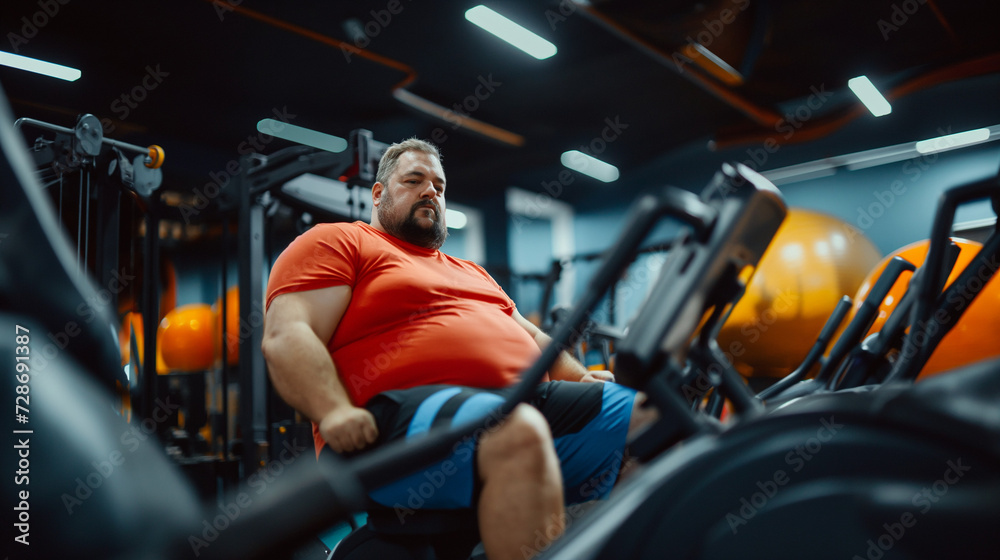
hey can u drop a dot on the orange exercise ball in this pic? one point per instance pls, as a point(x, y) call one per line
point(813, 261)
point(973, 338)
point(133, 320)
point(186, 337)
point(232, 325)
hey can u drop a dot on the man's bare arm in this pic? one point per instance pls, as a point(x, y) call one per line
point(565, 368)
point(296, 330)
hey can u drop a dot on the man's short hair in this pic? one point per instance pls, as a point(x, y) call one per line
point(387, 165)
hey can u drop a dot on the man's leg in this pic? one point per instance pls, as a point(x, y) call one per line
point(642, 416)
point(521, 503)
point(590, 424)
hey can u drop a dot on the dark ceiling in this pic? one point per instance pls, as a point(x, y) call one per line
point(224, 65)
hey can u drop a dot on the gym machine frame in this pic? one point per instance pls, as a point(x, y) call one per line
point(251, 192)
point(80, 147)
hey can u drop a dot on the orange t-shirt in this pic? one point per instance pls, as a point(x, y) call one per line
point(416, 317)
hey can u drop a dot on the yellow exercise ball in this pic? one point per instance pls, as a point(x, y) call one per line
point(186, 337)
point(813, 261)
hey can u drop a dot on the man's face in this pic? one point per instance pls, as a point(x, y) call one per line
point(411, 207)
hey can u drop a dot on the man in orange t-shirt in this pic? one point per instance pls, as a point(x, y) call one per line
point(374, 334)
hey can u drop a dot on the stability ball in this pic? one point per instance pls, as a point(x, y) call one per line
point(813, 261)
point(186, 337)
point(973, 337)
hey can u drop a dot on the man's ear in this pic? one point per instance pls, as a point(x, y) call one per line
point(377, 189)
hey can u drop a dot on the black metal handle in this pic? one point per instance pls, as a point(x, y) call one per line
point(863, 319)
point(815, 353)
point(897, 322)
point(914, 353)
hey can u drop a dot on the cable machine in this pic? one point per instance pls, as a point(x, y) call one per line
point(102, 170)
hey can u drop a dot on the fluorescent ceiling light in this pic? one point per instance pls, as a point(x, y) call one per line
point(39, 66)
point(301, 135)
point(510, 32)
point(869, 95)
point(877, 156)
point(455, 219)
point(711, 63)
point(589, 165)
point(952, 141)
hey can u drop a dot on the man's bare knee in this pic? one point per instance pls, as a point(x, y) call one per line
point(523, 437)
point(521, 502)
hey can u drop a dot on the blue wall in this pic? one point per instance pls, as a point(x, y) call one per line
point(893, 205)
point(530, 246)
point(455, 244)
point(597, 231)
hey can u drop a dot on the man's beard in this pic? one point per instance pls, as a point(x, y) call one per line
point(408, 229)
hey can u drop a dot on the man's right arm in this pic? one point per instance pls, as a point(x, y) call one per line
point(296, 330)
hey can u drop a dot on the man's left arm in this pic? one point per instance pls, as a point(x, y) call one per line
point(565, 368)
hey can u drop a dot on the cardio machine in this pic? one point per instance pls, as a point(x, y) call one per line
point(856, 463)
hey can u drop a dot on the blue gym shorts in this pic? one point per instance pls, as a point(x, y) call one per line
point(589, 423)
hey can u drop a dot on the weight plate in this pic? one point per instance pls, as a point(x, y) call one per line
point(89, 135)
